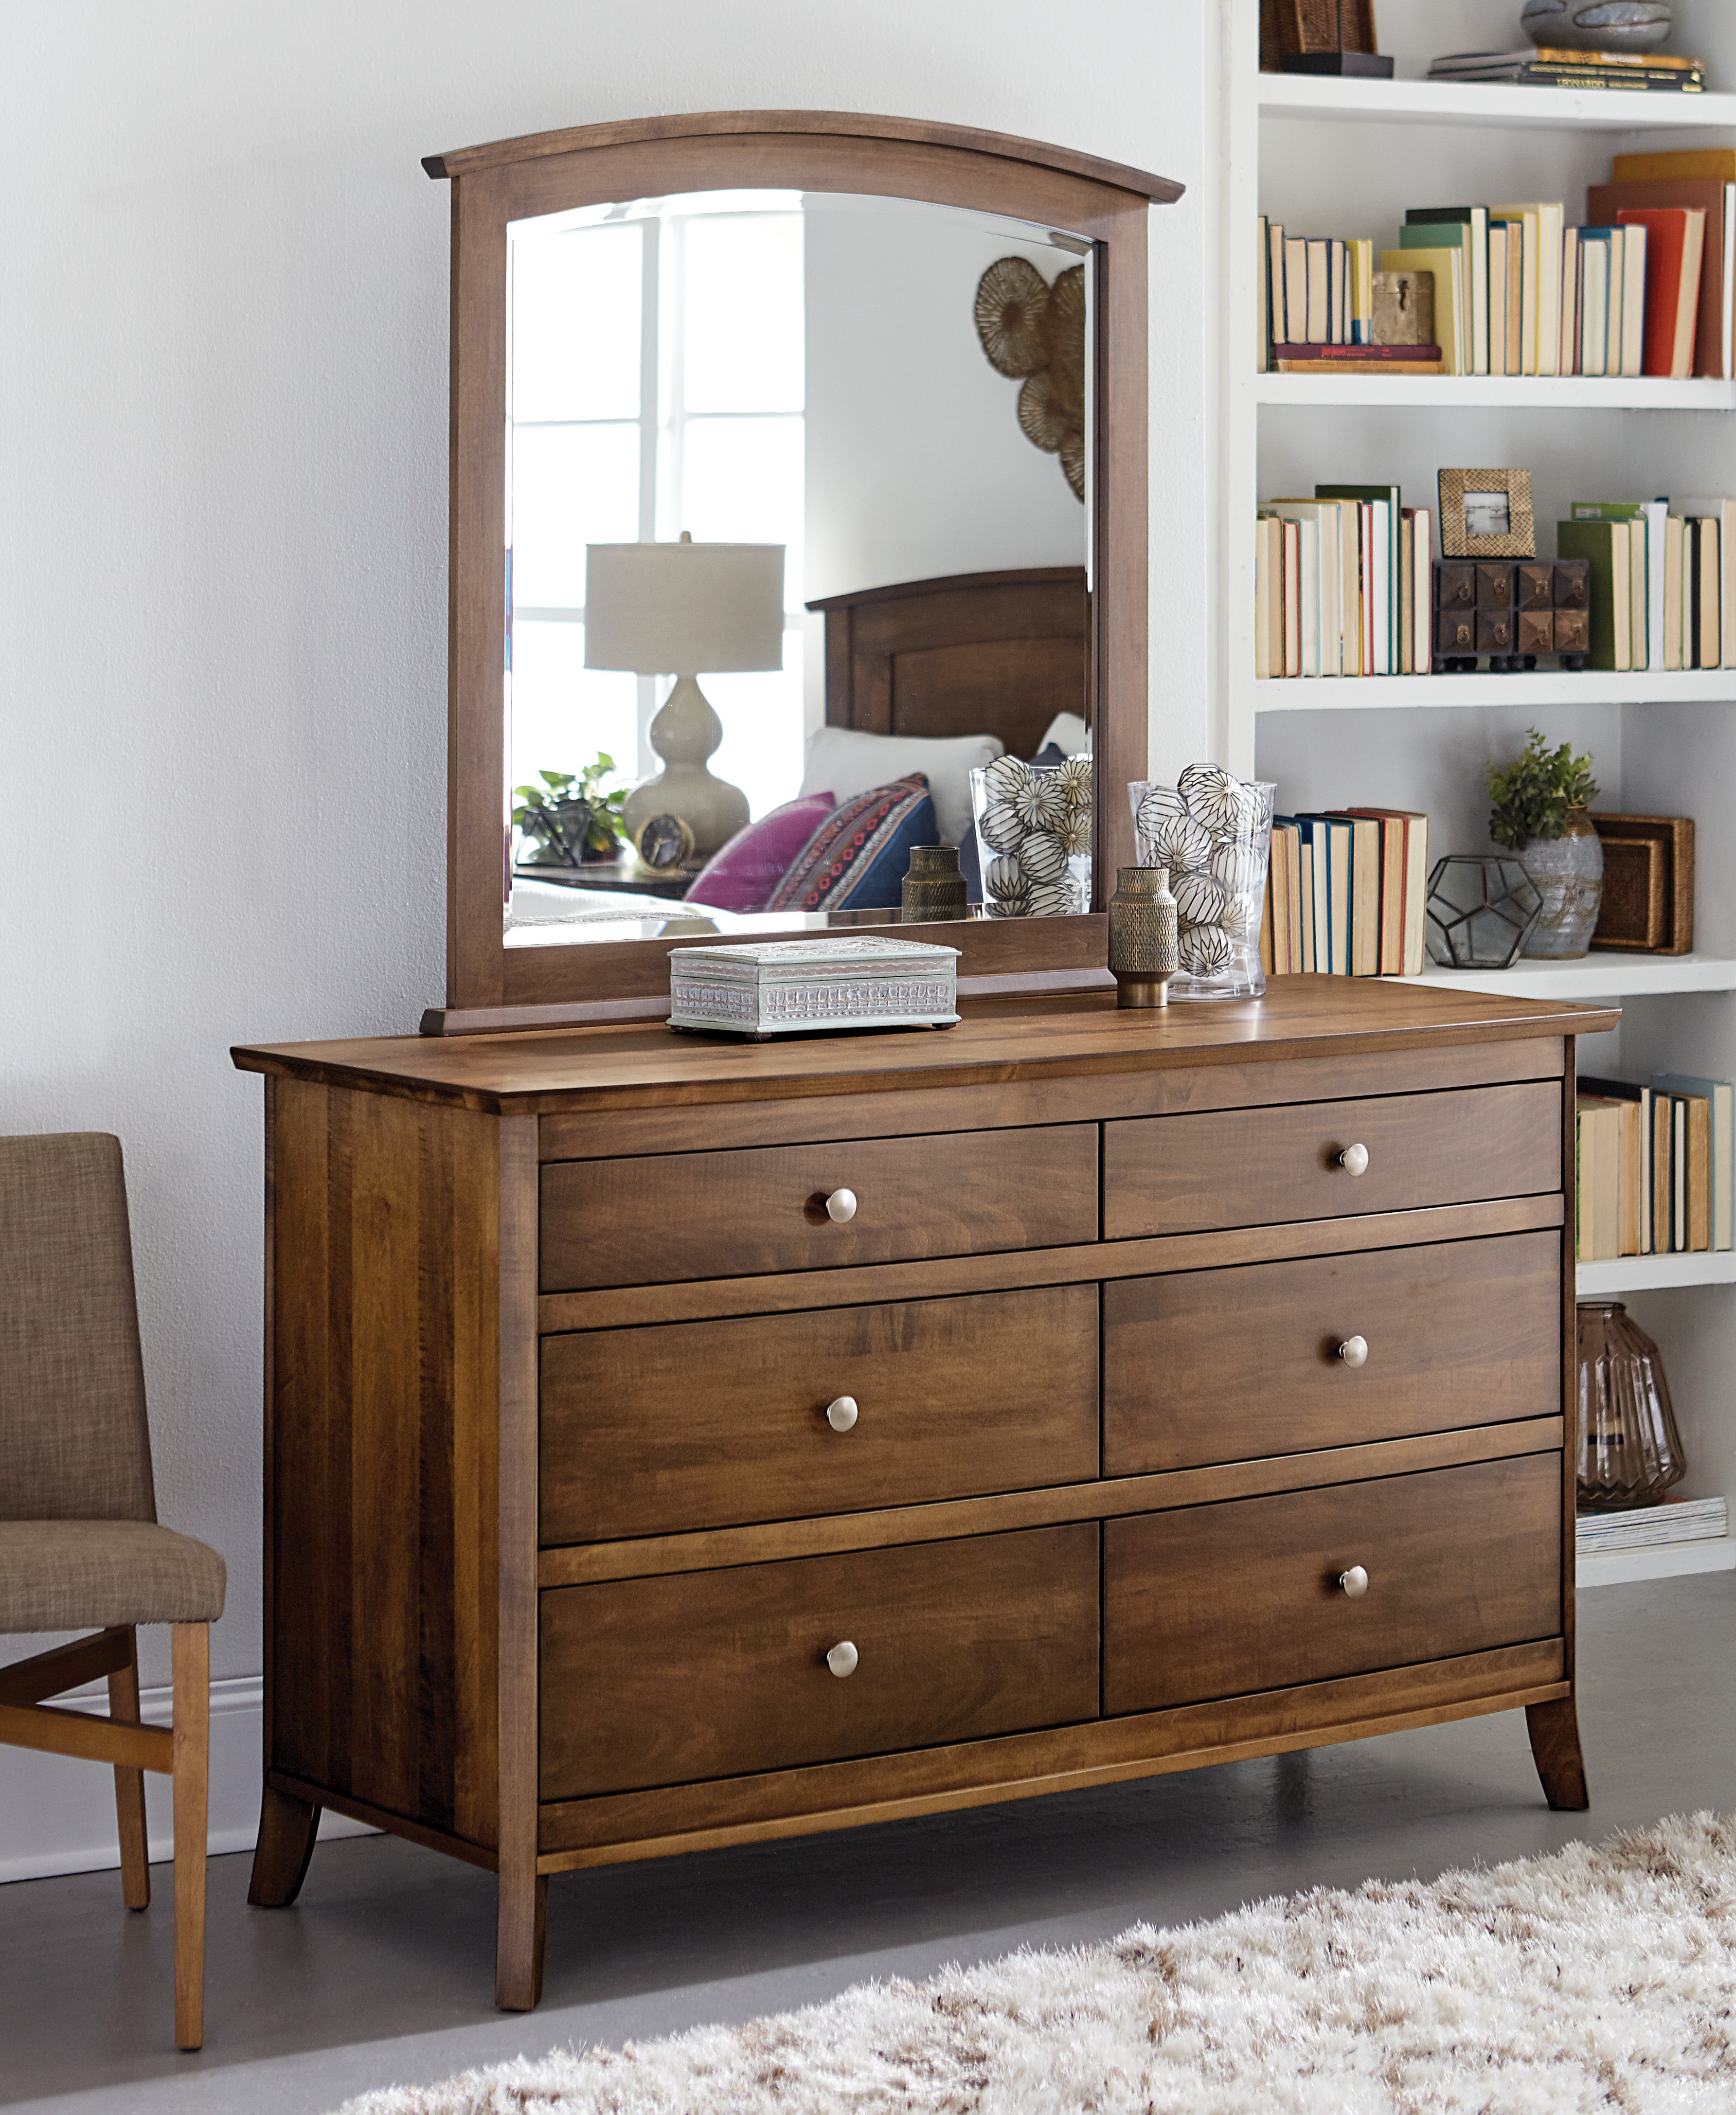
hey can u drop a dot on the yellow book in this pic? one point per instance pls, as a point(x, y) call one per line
point(1717, 164)
point(1449, 307)
point(1544, 222)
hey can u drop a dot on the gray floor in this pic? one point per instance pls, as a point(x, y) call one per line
point(383, 1971)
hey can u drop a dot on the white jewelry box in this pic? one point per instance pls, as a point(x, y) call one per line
point(790, 987)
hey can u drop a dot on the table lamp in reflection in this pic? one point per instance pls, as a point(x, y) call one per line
point(679, 609)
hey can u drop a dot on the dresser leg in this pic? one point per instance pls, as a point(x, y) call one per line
point(1555, 1747)
point(288, 1828)
point(518, 1947)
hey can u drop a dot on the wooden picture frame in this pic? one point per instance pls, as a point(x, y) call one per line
point(492, 986)
point(1648, 899)
point(1460, 541)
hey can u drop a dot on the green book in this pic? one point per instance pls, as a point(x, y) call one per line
point(1394, 571)
point(1595, 541)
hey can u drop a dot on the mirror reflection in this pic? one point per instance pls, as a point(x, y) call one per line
point(797, 548)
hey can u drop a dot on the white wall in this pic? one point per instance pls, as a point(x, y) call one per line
point(222, 341)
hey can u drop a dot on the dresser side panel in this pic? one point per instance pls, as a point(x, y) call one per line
point(383, 1539)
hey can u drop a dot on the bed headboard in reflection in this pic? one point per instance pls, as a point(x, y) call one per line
point(972, 653)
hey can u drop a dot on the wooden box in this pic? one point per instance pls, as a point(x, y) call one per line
point(1648, 898)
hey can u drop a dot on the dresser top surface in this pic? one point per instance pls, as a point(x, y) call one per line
point(997, 1039)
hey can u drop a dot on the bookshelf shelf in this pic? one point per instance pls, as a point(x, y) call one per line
point(1542, 687)
point(1678, 1560)
point(1488, 392)
point(1487, 103)
point(1604, 974)
point(1654, 1273)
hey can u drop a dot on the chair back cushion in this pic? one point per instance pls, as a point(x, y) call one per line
point(74, 1443)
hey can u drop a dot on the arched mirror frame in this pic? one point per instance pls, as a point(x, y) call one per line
point(489, 985)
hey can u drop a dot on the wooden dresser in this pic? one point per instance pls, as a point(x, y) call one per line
point(671, 1442)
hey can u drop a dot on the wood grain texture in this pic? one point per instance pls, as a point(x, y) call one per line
point(706, 1423)
point(1554, 1728)
point(841, 1795)
point(833, 124)
point(1228, 1365)
point(1223, 1600)
point(129, 1786)
point(707, 1548)
point(190, 1649)
point(522, 1903)
point(572, 1071)
point(54, 1729)
point(718, 1214)
point(625, 1306)
point(61, 1667)
point(1067, 1097)
point(652, 1681)
point(1187, 1174)
point(288, 1829)
point(383, 1543)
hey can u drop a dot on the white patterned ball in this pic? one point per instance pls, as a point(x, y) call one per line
point(1198, 900)
point(1002, 830)
point(1005, 776)
point(1073, 832)
point(1005, 876)
point(1206, 949)
point(1209, 794)
point(1040, 800)
point(1041, 857)
point(1237, 866)
point(1240, 917)
point(1054, 899)
point(1179, 843)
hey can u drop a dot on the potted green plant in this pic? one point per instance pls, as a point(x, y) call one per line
point(573, 816)
point(1539, 811)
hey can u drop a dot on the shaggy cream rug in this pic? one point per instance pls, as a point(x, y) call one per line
point(1601, 1978)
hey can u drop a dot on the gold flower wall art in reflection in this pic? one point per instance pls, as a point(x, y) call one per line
point(1034, 331)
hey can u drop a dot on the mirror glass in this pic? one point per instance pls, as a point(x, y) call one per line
point(798, 565)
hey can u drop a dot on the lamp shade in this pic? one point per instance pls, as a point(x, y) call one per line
point(684, 609)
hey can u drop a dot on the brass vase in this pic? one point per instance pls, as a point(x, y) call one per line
point(933, 887)
point(1144, 942)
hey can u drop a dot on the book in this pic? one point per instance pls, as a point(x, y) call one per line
point(1353, 356)
point(1276, 306)
point(1451, 331)
point(1598, 264)
point(1474, 243)
point(1543, 225)
point(1599, 1220)
point(1404, 866)
point(1296, 288)
point(1633, 296)
point(1635, 1157)
point(1380, 569)
point(1717, 163)
point(1671, 1522)
point(1319, 306)
point(1324, 603)
point(1292, 577)
point(1362, 893)
point(1605, 202)
point(1708, 586)
point(1263, 286)
point(1498, 297)
point(1607, 547)
point(1513, 362)
point(1570, 302)
point(1264, 580)
point(1720, 1096)
point(1675, 240)
point(1407, 612)
point(1421, 597)
point(1673, 571)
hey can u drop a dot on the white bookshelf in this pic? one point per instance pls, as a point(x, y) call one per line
point(1346, 158)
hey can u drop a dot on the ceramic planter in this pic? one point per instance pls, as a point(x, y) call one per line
point(1567, 873)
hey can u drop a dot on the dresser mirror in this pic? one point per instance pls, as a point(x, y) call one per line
point(818, 494)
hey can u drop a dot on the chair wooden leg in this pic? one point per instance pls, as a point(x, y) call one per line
point(129, 1786)
point(192, 1730)
point(287, 1828)
point(1554, 1728)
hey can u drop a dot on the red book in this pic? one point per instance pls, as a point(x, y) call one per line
point(1675, 236)
point(1603, 202)
point(1353, 353)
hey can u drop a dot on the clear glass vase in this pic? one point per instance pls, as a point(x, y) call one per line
point(1630, 1452)
point(1214, 832)
point(1033, 837)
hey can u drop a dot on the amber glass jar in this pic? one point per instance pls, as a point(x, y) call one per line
point(1630, 1452)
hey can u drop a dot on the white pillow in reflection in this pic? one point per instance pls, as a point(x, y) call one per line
point(845, 760)
point(1069, 733)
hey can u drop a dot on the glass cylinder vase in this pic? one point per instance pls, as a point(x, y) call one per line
point(1033, 837)
point(1214, 832)
point(1630, 1452)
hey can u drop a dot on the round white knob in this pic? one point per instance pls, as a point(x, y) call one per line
point(842, 1659)
point(1354, 1160)
point(1354, 1350)
point(842, 1415)
point(1354, 1582)
point(841, 1206)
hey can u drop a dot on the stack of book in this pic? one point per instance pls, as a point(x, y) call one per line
point(1341, 583)
point(1652, 1527)
point(1656, 1166)
point(1550, 66)
point(1646, 287)
point(1663, 580)
point(1345, 892)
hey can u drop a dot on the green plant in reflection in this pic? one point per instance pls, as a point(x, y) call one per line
point(572, 816)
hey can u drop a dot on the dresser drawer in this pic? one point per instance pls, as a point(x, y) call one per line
point(708, 1674)
point(691, 1215)
point(1258, 1168)
point(1228, 1365)
point(1225, 1600)
point(713, 1423)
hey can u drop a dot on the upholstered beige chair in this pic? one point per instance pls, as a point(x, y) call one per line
point(79, 1546)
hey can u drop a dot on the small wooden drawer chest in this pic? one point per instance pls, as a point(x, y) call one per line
point(671, 1443)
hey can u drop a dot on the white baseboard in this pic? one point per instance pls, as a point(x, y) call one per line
point(56, 1812)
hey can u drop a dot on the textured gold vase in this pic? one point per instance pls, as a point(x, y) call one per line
point(933, 887)
point(1144, 950)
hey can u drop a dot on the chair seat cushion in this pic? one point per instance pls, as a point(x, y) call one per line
point(75, 1575)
